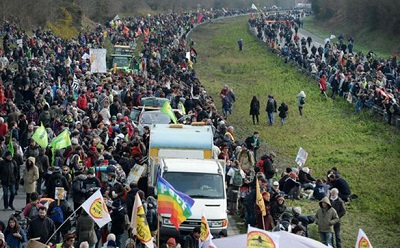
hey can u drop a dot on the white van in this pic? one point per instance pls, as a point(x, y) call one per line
point(202, 180)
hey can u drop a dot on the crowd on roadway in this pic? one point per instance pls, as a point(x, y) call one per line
point(364, 79)
point(47, 80)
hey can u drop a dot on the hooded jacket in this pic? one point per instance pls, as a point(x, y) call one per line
point(326, 217)
point(30, 177)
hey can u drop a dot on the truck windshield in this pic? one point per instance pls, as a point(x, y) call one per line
point(121, 61)
point(197, 185)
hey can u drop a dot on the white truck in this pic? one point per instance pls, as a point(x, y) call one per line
point(204, 182)
point(182, 155)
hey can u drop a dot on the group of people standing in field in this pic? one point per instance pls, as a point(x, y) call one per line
point(272, 108)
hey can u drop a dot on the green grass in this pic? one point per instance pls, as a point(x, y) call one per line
point(385, 45)
point(363, 147)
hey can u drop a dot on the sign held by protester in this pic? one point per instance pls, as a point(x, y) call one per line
point(98, 60)
point(135, 173)
point(301, 157)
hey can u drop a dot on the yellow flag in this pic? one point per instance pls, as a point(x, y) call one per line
point(166, 109)
point(259, 199)
point(139, 224)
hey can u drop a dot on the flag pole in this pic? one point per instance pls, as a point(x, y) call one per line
point(158, 228)
point(69, 217)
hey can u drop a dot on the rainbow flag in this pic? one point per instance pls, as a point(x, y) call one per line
point(173, 202)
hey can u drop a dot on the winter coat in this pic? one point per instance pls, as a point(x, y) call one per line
point(85, 230)
point(14, 242)
point(338, 205)
point(78, 191)
point(51, 185)
point(8, 172)
point(30, 177)
point(255, 107)
point(118, 221)
point(326, 218)
point(41, 228)
point(283, 109)
point(299, 96)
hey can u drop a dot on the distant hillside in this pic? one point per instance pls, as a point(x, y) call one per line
point(68, 14)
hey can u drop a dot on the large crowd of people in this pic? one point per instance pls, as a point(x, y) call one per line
point(364, 79)
point(46, 80)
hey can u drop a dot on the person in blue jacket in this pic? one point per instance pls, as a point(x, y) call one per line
point(14, 234)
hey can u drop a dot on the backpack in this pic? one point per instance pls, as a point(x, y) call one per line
point(58, 182)
point(57, 215)
point(33, 212)
point(302, 100)
point(237, 179)
point(260, 164)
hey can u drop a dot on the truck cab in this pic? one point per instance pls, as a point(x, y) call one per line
point(204, 182)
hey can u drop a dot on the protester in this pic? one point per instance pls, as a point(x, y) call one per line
point(235, 178)
point(338, 205)
point(31, 175)
point(42, 227)
point(14, 234)
point(192, 240)
point(255, 110)
point(326, 217)
point(271, 109)
point(85, 230)
point(283, 112)
point(301, 100)
point(8, 175)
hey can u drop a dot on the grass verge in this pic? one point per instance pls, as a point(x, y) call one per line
point(363, 148)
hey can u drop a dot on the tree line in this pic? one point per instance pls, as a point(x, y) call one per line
point(382, 15)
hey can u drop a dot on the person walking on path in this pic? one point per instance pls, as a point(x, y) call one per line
point(271, 109)
point(255, 109)
point(301, 100)
point(31, 175)
point(8, 175)
point(326, 217)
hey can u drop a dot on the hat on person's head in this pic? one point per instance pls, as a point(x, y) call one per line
point(272, 154)
point(90, 171)
point(306, 169)
point(276, 183)
point(113, 118)
point(7, 153)
point(244, 145)
point(57, 169)
point(171, 241)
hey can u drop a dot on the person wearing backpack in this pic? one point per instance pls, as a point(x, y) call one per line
point(31, 210)
point(301, 100)
point(56, 180)
point(234, 178)
point(271, 109)
point(58, 213)
point(151, 214)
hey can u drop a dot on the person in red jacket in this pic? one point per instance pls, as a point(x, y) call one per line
point(322, 84)
point(3, 127)
point(82, 101)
